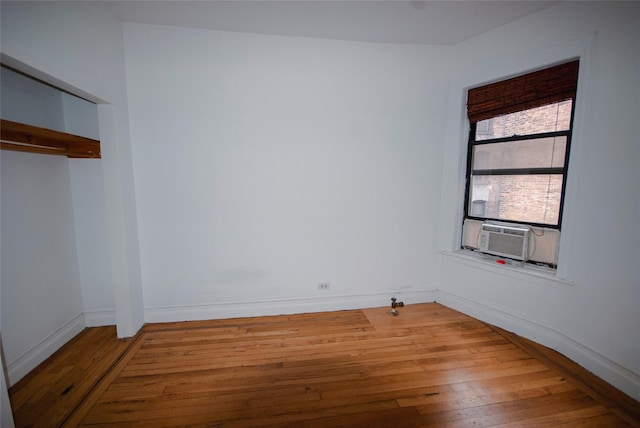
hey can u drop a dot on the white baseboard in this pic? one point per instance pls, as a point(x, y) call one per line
point(29, 360)
point(605, 368)
point(100, 317)
point(284, 306)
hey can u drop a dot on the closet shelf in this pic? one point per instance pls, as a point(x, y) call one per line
point(32, 139)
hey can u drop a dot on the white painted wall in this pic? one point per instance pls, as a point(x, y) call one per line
point(265, 165)
point(93, 243)
point(41, 292)
point(80, 116)
point(90, 214)
point(593, 316)
point(27, 100)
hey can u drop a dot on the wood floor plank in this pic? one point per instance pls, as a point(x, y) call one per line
point(101, 384)
point(616, 401)
point(429, 366)
point(49, 394)
point(508, 411)
point(595, 416)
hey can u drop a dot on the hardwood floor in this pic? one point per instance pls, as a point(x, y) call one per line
point(48, 395)
point(428, 367)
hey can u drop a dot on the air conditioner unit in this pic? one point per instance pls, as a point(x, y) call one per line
point(505, 241)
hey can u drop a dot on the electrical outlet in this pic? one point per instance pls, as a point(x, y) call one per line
point(323, 286)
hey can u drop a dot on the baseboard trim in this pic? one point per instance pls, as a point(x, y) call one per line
point(239, 309)
point(100, 317)
point(29, 360)
point(605, 368)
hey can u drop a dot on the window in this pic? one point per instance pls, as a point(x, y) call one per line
point(518, 153)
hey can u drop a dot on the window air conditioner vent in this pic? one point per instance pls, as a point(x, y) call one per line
point(504, 241)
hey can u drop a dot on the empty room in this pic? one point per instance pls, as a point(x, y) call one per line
point(320, 213)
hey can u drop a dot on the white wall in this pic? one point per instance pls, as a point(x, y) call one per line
point(41, 291)
point(265, 165)
point(594, 315)
point(24, 99)
point(90, 214)
point(80, 116)
point(93, 243)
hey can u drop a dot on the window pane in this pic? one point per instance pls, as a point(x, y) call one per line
point(526, 198)
point(536, 153)
point(549, 118)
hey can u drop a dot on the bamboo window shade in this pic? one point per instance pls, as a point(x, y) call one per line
point(551, 85)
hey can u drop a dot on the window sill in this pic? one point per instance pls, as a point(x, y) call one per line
point(511, 268)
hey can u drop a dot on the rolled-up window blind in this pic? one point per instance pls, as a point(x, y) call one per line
point(524, 92)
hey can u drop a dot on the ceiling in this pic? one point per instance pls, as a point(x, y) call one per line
point(393, 21)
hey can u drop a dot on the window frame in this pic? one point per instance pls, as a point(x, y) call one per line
point(472, 143)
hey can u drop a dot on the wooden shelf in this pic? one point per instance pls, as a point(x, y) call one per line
point(32, 139)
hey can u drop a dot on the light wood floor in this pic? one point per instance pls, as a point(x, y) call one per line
point(428, 367)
